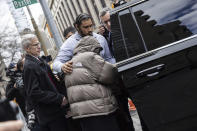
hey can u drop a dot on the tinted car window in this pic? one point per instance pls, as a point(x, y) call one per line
point(165, 11)
point(162, 22)
point(152, 24)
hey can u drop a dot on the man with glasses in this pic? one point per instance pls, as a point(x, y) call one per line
point(105, 28)
point(42, 89)
point(106, 32)
point(123, 114)
point(84, 27)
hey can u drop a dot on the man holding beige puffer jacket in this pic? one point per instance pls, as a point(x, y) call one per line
point(89, 88)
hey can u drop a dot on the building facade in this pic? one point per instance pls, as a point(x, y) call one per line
point(65, 11)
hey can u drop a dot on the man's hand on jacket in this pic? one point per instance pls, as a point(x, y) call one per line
point(64, 101)
point(67, 67)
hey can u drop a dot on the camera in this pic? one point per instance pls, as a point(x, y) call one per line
point(47, 58)
point(19, 83)
point(13, 74)
point(8, 110)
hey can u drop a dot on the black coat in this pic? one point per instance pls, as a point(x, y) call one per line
point(42, 90)
point(17, 93)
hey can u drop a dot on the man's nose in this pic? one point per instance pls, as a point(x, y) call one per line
point(109, 23)
point(90, 29)
point(39, 46)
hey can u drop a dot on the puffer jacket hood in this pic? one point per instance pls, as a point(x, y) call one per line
point(87, 44)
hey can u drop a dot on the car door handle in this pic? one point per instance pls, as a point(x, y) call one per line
point(150, 72)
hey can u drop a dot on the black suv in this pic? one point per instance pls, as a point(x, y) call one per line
point(155, 45)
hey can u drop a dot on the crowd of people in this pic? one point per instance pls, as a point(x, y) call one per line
point(81, 92)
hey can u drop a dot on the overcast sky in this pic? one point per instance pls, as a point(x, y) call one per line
point(6, 17)
point(36, 11)
point(8, 23)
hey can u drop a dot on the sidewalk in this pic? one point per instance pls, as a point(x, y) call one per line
point(136, 121)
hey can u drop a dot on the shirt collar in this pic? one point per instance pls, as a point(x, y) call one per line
point(34, 57)
point(78, 36)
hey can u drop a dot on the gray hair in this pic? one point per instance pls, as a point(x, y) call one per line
point(27, 40)
point(104, 11)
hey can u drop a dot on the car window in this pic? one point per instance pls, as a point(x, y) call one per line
point(152, 24)
point(166, 11)
point(166, 21)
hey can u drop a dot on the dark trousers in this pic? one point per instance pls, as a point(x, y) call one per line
point(73, 124)
point(143, 124)
point(36, 127)
point(100, 123)
point(56, 125)
point(123, 115)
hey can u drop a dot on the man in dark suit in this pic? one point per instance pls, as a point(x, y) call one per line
point(42, 89)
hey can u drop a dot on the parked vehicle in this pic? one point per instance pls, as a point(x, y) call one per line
point(155, 45)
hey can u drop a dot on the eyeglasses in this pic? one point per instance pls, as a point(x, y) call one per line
point(36, 45)
point(106, 22)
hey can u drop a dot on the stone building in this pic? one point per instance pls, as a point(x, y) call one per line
point(65, 11)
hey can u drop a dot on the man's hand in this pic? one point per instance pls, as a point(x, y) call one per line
point(56, 76)
point(14, 85)
point(101, 29)
point(11, 125)
point(64, 101)
point(67, 67)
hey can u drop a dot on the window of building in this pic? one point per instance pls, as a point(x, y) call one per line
point(70, 13)
point(65, 21)
point(86, 5)
point(60, 22)
point(103, 3)
point(66, 13)
point(55, 4)
point(73, 7)
point(79, 6)
point(95, 7)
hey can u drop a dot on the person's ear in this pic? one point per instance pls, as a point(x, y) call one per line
point(27, 49)
point(77, 27)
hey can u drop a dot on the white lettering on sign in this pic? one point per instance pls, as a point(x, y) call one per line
point(29, 1)
point(22, 3)
point(15, 4)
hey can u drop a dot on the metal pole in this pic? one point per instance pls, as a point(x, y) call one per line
point(51, 23)
point(37, 31)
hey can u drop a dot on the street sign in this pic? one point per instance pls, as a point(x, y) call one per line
point(22, 3)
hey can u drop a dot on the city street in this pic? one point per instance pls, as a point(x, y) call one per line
point(81, 53)
point(136, 121)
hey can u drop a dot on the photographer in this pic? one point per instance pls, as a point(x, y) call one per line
point(15, 88)
point(15, 91)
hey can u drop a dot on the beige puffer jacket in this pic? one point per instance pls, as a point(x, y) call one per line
point(88, 86)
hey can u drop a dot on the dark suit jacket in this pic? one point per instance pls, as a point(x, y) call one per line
point(42, 90)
